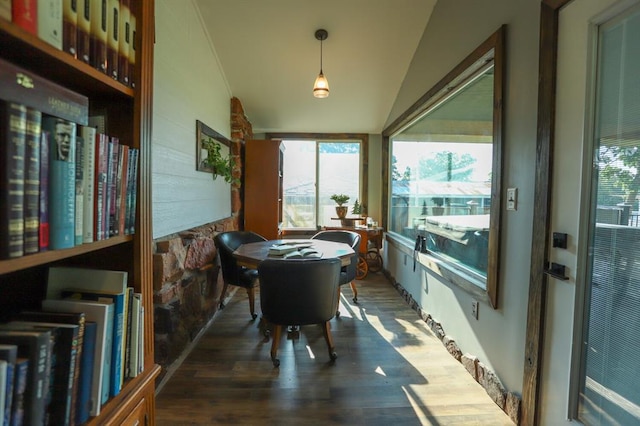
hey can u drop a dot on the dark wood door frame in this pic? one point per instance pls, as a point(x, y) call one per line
point(536, 311)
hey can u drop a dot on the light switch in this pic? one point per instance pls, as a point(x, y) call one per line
point(512, 198)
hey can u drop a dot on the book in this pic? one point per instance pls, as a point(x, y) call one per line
point(96, 284)
point(132, 185)
point(118, 301)
point(27, 88)
point(84, 31)
point(43, 190)
point(13, 117)
point(70, 27)
point(63, 364)
point(5, 9)
point(3, 387)
point(36, 347)
point(114, 149)
point(102, 315)
point(9, 354)
point(127, 337)
point(31, 206)
point(124, 41)
point(98, 35)
point(49, 22)
point(62, 181)
point(19, 388)
point(83, 395)
point(113, 37)
point(132, 50)
point(302, 253)
point(100, 186)
point(24, 13)
point(136, 336)
point(79, 187)
point(121, 190)
point(88, 179)
point(77, 319)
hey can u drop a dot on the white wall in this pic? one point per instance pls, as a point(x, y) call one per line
point(189, 85)
point(497, 338)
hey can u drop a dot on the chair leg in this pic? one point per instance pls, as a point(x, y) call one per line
point(326, 330)
point(223, 294)
point(252, 302)
point(338, 305)
point(275, 342)
point(355, 291)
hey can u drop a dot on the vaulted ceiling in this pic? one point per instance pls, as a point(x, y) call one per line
point(270, 58)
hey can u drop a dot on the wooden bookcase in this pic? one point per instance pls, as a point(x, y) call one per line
point(263, 187)
point(128, 114)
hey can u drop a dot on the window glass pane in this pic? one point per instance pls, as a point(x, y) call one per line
point(339, 165)
point(299, 184)
point(609, 392)
point(441, 176)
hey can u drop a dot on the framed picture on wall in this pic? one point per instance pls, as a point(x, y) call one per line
point(211, 148)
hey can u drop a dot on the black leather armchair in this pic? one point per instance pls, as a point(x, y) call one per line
point(301, 292)
point(347, 273)
point(232, 273)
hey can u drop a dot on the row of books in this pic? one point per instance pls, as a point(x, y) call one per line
point(99, 32)
point(59, 365)
point(67, 183)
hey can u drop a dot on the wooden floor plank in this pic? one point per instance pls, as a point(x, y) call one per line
point(391, 369)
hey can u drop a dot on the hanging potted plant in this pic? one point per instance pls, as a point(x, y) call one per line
point(340, 199)
point(220, 165)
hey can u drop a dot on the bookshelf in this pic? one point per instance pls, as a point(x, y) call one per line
point(128, 115)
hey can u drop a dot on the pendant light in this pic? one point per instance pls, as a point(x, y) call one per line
point(321, 86)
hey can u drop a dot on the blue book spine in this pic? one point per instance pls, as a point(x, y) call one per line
point(8, 353)
point(117, 330)
point(19, 389)
point(83, 405)
point(108, 355)
point(62, 181)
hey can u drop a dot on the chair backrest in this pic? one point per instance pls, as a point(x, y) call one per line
point(348, 237)
point(299, 291)
point(227, 243)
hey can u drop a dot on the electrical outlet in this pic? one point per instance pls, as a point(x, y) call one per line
point(474, 309)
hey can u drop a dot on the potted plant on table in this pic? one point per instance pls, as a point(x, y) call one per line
point(341, 209)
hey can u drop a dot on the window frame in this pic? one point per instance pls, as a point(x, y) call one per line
point(362, 138)
point(469, 66)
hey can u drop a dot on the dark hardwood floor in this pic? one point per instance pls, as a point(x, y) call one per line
point(391, 370)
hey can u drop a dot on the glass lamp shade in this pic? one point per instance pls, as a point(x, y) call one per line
point(321, 86)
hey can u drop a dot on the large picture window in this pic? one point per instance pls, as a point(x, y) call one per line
point(444, 159)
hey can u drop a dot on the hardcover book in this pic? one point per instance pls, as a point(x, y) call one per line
point(36, 347)
point(70, 27)
point(112, 171)
point(98, 39)
point(76, 319)
point(8, 353)
point(19, 389)
point(132, 181)
point(3, 386)
point(5, 9)
point(32, 182)
point(29, 89)
point(121, 189)
point(113, 37)
point(43, 200)
point(96, 284)
point(79, 201)
point(124, 41)
point(84, 31)
point(24, 13)
point(102, 315)
point(100, 186)
point(132, 50)
point(88, 170)
point(63, 363)
point(13, 117)
point(83, 404)
point(62, 181)
point(50, 22)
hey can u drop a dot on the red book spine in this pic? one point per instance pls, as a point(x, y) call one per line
point(24, 13)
